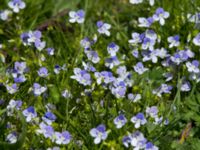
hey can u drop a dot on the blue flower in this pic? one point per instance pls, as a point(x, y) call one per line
point(174, 41)
point(162, 53)
point(112, 49)
point(148, 43)
point(139, 120)
point(180, 57)
point(86, 43)
point(193, 67)
point(118, 88)
point(196, 40)
point(50, 51)
point(135, 53)
point(151, 55)
point(126, 141)
point(103, 28)
point(32, 37)
point(145, 22)
point(19, 78)
point(136, 38)
point(82, 76)
point(12, 137)
point(124, 75)
point(99, 133)
point(40, 45)
point(43, 72)
point(78, 16)
point(185, 86)
point(13, 88)
point(150, 146)
point(104, 76)
point(161, 15)
point(49, 117)
point(63, 138)
point(88, 66)
point(93, 56)
point(134, 97)
point(16, 5)
point(12, 106)
point(139, 68)
point(136, 139)
point(38, 89)
point(66, 94)
point(46, 130)
point(30, 113)
point(120, 121)
point(164, 88)
point(20, 67)
point(5, 14)
point(111, 62)
point(152, 111)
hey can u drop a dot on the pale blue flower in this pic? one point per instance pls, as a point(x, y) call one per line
point(168, 76)
point(40, 45)
point(104, 76)
point(63, 138)
point(139, 120)
point(174, 41)
point(164, 88)
point(88, 66)
point(29, 113)
point(137, 140)
point(4, 15)
point(46, 130)
point(78, 16)
point(50, 51)
point(118, 88)
point(13, 104)
point(16, 5)
point(145, 22)
point(185, 86)
point(20, 67)
point(82, 76)
point(136, 38)
point(103, 28)
point(150, 146)
point(43, 72)
point(112, 49)
point(13, 88)
point(193, 67)
point(93, 56)
point(152, 111)
point(139, 68)
point(99, 133)
point(120, 121)
point(160, 15)
point(38, 89)
point(148, 43)
point(135, 53)
point(112, 62)
point(134, 97)
point(150, 55)
point(12, 137)
point(48, 118)
point(196, 40)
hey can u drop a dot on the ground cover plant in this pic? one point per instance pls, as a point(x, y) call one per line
point(99, 74)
